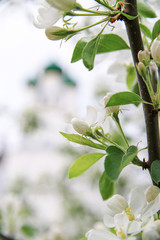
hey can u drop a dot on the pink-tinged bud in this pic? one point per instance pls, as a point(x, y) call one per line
point(80, 126)
point(151, 193)
point(144, 56)
point(114, 109)
point(142, 70)
point(155, 51)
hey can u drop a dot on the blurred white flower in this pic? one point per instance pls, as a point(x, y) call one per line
point(47, 16)
point(137, 209)
point(155, 50)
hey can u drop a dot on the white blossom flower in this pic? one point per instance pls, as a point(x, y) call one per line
point(47, 16)
point(137, 209)
point(155, 50)
point(151, 193)
point(121, 230)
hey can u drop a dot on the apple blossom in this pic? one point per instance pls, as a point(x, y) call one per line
point(56, 33)
point(137, 208)
point(152, 231)
point(47, 16)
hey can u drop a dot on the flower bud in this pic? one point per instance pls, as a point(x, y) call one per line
point(143, 56)
point(114, 109)
point(151, 193)
point(155, 51)
point(57, 33)
point(154, 75)
point(142, 70)
point(80, 126)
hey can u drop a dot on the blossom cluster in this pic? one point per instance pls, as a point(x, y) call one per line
point(127, 219)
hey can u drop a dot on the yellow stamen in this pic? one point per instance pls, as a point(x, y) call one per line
point(129, 214)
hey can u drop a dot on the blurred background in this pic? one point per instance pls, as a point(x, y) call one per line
point(40, 92)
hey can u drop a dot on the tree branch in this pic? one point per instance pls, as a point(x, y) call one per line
point(151, 116)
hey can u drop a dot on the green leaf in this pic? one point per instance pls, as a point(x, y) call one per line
point(146, 31)
point(129, 156)
point(106, 186)
point(83, 238)
point(29, 230)
point(129, 17)
point(83, 163)
point(77, 53)
point(156, 30)
point(111, 42)
point(90, 51)
point(131, 76)
point(82, 140)
point(124, 98)
point(155, 171)
point(107, 43)
point(113, 163)
point(146, 10)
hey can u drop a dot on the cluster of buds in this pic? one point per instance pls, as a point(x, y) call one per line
point(148, 69)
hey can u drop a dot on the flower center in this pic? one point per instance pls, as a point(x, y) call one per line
point(129, 214)
point(121, 233)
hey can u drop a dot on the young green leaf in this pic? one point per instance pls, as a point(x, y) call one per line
point(129, 156)
point(77, 53)
point(106, 186)
point(124, 98)
point(90, 51)
point(82, 140)
point(113, 163)
point(111, 42)
point(83, 238)
point(155, 171)
point(156, 30)
point(146, 10)
point(83, 163)
point(145, 30)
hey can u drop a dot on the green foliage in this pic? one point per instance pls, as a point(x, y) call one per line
point(155, 171)
point(124, 98)
point(156, 30)
point(82, 140)
point(29, 230)
point(87, 48)
point(113, 162)
point(145, 30)
point(129, 156)
point(83, 239)
point(106, 186)
point(146, 10)
point(90, 51)
point(83, 163)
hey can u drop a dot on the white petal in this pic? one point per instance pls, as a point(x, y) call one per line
point(152, 208)
point(121, 221)
point(137, 201)
point(134, 227)
point(80, 126)
point(117, 203)
point(46, 17)
point(100, 235)
point(109, 218)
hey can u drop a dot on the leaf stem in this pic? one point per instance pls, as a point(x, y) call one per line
point(116, 118)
